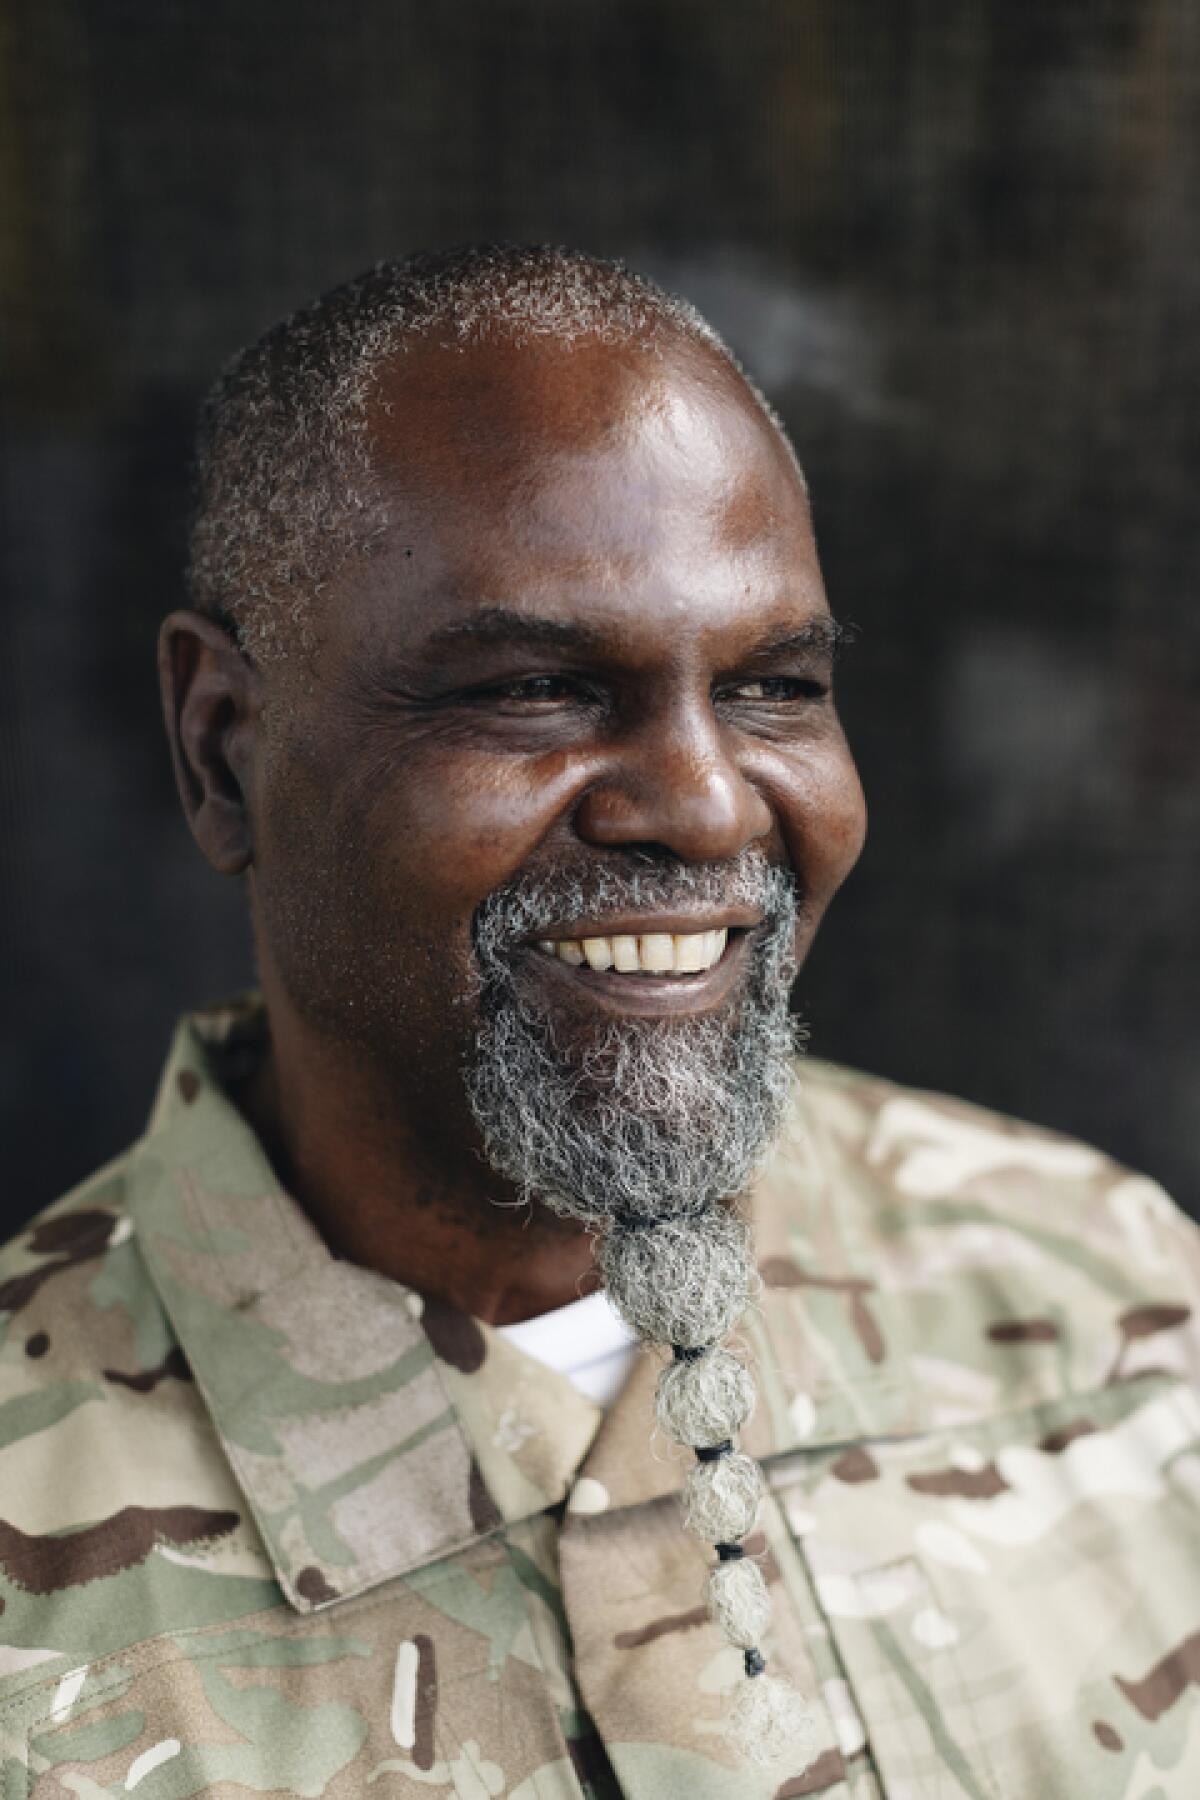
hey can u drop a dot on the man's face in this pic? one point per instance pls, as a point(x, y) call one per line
point(594, 640)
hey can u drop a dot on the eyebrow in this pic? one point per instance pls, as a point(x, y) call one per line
point(825, 636)
point(506, 625)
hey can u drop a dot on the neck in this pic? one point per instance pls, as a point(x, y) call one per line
point(416, 1205)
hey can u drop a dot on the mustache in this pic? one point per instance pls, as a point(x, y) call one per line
point(535, 899)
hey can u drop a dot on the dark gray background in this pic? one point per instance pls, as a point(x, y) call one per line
point(959, 244)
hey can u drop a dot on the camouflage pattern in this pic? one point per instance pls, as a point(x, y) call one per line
point(271, 1525)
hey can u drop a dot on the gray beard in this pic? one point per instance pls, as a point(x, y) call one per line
point(643, 1133)
point(652, 1119)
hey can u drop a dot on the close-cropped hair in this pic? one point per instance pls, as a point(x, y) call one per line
point(284, 486)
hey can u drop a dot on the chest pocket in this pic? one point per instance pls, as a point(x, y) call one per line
point(1017, 1611)
point(197, 1715)
point(382, 1690)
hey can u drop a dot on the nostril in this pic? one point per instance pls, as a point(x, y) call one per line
point(704, 820)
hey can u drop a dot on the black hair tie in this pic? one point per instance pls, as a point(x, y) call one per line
point(731, 1552)
point(682, 1353)
point(756, 1662)
point(714, 1452)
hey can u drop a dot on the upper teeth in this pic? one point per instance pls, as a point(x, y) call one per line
point(653, 953)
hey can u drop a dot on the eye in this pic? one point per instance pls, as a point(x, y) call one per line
point(777, 689)
point(528, 694)
point(535, 688)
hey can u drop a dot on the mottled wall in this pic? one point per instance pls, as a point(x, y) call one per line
point(960, 245)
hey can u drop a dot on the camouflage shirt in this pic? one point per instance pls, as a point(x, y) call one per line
point(271, 1524)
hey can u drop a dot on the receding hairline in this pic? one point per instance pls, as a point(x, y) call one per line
point(625, 370)
point(286, 489)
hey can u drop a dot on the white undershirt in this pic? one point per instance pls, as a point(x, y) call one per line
point(586, 1341)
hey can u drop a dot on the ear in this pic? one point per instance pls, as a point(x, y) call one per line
point(212, 699)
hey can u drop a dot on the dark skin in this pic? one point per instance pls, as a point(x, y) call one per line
point(595, 626)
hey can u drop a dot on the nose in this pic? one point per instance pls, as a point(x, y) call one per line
point(672, 784)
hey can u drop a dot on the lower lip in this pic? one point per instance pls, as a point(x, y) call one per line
point(646, 996)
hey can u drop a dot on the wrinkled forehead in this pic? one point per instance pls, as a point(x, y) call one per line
point(639, 489)
point(505, 425)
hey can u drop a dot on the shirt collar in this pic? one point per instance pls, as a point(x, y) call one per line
point(373, 1432)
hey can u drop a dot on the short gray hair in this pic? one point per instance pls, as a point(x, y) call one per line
point(284, 488)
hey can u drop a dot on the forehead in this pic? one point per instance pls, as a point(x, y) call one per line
point(624, 480)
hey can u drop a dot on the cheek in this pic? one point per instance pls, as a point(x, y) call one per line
point(453, 828)
point(368, 874)
point(824, 818)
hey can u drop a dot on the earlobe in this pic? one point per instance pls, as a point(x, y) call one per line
point(211, 703)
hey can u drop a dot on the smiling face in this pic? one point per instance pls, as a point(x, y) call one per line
point(594, 641)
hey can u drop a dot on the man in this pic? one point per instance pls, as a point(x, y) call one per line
point(507, 687)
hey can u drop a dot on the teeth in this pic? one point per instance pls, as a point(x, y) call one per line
point(654, 953)
point(657, 952)
point(691, 953)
